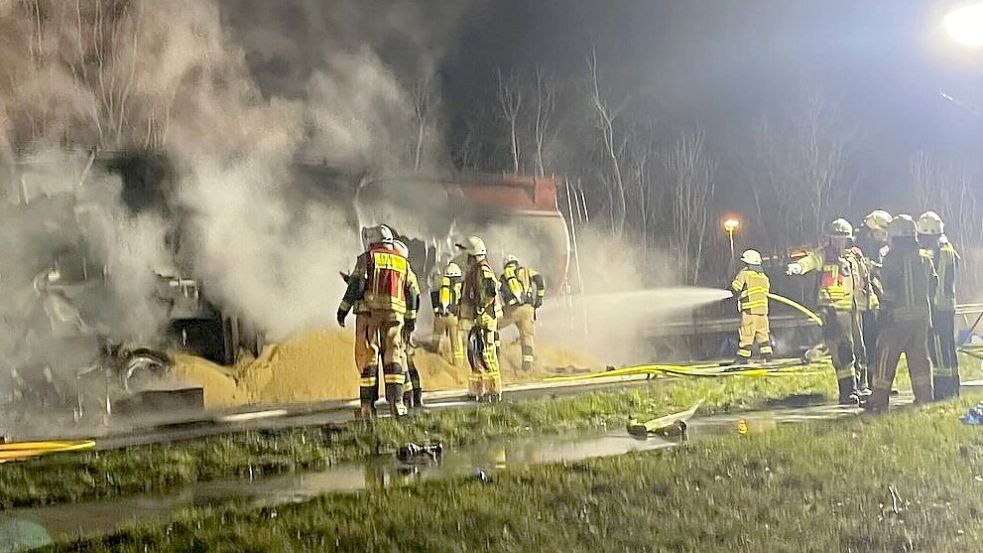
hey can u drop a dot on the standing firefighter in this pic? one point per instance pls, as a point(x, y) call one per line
point(446, 310)
point(377, 290)
point(840, 275)
point(412, 389)
point(523, 290)
point(752, 286)
point(943, 339)
point(909, 280)
point(481, 308)
point(873, 243)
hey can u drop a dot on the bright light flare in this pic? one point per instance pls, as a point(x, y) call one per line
point(730, 225)
point(965, 25)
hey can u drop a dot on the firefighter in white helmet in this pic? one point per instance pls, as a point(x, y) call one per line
point(752, 287)
point(841, 273)
point(480, 305)
point(377, 291)
point(412, 388)
point(523, 290)
point(872, 241)
point(909, 280)
point(932, 237)
point(447, 298)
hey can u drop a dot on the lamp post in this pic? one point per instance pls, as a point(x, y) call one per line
point(730, 225)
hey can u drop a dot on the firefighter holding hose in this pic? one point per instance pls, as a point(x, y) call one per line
point(480, 306)
point(523, 290)
point(752, 287)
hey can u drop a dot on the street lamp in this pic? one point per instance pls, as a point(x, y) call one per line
point(965, 25)
point(730, 225)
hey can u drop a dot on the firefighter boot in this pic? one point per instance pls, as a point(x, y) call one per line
point(848, 391)
point(394, 378)
point(368, 392)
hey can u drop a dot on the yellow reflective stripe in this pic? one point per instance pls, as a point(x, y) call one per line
point(366, 382)
point(394, 378)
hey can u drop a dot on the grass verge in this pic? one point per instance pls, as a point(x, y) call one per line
point(78, 477)
point(910, 481)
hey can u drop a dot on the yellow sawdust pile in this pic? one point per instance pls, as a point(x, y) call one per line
point(319, 366)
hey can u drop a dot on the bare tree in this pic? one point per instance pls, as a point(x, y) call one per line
point(510, 103)
point(545, 106)
point(613, 144)
point(423, 94)
point(690, 174)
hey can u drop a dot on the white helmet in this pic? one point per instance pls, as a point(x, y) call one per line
point(903, 226)
point(474, 246)
point(839, 228)
point(380, 234)
point(510, 258)
point(401, 247)
point(453, 270)
point(877, 220)
point(751, 257)
point(930, 223)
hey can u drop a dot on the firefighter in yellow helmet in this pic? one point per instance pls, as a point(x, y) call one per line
point(480, 305)
point(841, 274)
point(909, 280)
point(412, 389)
point(872, 241)
point(377, 290)
point(752, 286)
point(446, 301)
point(523, 290)
point(943, 339)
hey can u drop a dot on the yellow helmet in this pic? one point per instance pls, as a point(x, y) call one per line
point(930, 223)
point(877, 220)
point(840, 228)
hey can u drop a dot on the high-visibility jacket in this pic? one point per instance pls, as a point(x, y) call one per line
point(752, 287)
point(378, 281)
point(449, 298)
point(946, 260)
point(522, 285)
point(479, 294)
point(840, 275)
point(909, 280)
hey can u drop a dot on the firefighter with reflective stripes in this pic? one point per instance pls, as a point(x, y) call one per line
point(841, 273)
point(943, 339)
point(752, 286)
point(523, 290)
point(377, 290)
point(909, 281)
point(412, 388)
point(873, 243)
point(446, 311)
point(480, 306)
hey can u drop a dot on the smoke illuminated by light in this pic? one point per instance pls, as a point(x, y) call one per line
point(965, 25)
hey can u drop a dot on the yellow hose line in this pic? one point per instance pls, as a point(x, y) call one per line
point(781, 299)
point(23, 450)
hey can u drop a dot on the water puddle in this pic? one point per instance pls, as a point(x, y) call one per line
point(22, 529)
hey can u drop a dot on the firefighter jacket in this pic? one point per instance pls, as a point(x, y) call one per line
point(873, 256)
point(946, 259)
point(479, 293)
point(378, 281)
point(412, 292)
point(752, 287)
point(449, 296)
point(841, 275)
point(909, 280)
point(522, 285)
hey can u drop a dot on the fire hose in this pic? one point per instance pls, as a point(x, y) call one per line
point(798, 307)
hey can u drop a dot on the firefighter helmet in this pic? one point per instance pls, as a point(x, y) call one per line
point(930, 223)
point(840, 228)
point(401, 247)
point(453, 270)
point(903, 226)
point(510, 258)
point(474, 246)
point(380, 234)
point(751, 257)
point(877, 220)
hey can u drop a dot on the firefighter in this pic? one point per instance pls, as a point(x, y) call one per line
point(909, 281)
point(481, 308)
point(752, 286)
point(377, 291)
point(872, 243)
point(446, 315)
point(840, 276)
point(523, 290)
point(943, 350)
point(412, 389)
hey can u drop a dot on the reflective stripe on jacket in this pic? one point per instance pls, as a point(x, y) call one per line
point(752, 287)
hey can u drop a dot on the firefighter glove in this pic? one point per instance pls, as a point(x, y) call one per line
point(342, 313)
point(794, 269)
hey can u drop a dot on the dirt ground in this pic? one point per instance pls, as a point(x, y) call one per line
point(319, 365)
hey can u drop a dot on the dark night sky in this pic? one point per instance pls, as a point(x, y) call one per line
point(722, 64)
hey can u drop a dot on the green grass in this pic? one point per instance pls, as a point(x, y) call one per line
point(78, 477)
point(824, 486)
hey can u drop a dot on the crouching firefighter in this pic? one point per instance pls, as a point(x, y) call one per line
point(523, 290)
point(412, 389)
point(480, 306)
point(752, 286)
point(840, 274)
point(377, 290)
point(945, 375)
point(908, 279)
